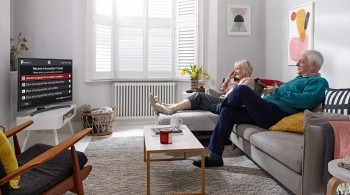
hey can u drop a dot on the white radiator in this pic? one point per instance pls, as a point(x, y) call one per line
point(131, 98)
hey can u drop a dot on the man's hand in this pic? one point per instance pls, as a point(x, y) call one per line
point(270, 89)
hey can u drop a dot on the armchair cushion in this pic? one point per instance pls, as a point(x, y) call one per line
point(41, 179)
point(8, 159)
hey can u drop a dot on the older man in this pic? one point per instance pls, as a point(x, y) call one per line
point(243, 106)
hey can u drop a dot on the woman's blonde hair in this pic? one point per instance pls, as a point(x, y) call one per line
point(245, 66)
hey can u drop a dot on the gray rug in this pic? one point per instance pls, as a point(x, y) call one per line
point(118, 168)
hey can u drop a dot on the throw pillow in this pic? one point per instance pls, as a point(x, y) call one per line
point(316, 118)
point(8, 159)
point(337, 101)
point(292, 123)
point(270, 82)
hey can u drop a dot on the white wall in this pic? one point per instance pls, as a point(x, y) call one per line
point(330, 37)
point(222, 50)
point(233, 48)
point(5, 63)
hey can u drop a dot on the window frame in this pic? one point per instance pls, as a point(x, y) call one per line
point(90, 66)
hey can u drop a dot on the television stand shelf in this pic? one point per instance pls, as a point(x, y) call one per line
point(48, 120)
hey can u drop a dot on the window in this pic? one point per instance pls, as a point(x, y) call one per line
point(141, 39)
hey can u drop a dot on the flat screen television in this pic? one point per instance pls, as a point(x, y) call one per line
point(43, 82)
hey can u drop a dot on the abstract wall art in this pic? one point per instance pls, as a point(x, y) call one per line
point(301, 31)
point(239, 19)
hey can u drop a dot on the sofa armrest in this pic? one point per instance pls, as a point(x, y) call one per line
point(313, 160)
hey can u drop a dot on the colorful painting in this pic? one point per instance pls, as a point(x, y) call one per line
point(239, 19)
point(301, 31)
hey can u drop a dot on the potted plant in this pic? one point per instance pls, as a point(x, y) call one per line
point(195, 72)
point(17, 46)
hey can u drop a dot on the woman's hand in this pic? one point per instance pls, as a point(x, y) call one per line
point(230, 76)
point(224, 86)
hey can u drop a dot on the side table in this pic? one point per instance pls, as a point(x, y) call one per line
point(48, 120)
point(340, 175)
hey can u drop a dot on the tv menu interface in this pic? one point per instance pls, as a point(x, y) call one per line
point(43, 82)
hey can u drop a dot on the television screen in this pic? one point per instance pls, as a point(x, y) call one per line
point(43, 82)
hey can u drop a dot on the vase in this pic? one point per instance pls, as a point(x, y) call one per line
point(13, 64)
point(194, 84)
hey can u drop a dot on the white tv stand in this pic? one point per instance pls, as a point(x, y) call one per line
point(48, 120)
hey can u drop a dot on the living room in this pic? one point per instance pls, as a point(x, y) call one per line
point(58, 29)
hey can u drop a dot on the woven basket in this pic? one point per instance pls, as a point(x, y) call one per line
point(101, 123)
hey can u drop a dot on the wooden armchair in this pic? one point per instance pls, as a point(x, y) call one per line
point(47, 160)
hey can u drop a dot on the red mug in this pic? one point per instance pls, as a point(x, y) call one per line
point(166, 136)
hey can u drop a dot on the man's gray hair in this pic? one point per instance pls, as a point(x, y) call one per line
point(315, 56)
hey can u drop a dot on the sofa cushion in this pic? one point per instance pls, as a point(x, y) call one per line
point(195, 120)
point(246, 130)
point(316, 118)
point(337, 101)
point(283, 146)
point(292, 123)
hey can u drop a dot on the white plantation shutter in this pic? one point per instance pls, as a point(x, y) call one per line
point(160, 50)
point(187, 38)
point(103, 48)
point(130, 32)
point(160, 38)
point(143, 38)
point(103, 30)
point(130, 49)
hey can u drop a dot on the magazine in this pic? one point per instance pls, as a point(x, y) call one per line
point(343, 165)
point(156, 130)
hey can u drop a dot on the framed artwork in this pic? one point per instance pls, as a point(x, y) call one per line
point(239, 19)
point(301, 31)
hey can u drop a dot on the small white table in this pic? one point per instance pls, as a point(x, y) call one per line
point(340, 175)
point(183, 143)
point(48, 120)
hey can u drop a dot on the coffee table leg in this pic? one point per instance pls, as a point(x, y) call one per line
point(148, 174)
point(332, 185)
point(203, 171)
point(144, 149)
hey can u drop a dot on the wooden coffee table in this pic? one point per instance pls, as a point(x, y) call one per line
point(186, 142)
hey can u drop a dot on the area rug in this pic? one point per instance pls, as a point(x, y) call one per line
point(119, 168)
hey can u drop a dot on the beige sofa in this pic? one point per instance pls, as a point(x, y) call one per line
point(295, 160)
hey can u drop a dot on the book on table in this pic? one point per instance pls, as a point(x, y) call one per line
point(156, 130)
point(345, 163)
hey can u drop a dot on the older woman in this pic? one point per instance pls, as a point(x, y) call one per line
point(203, 101)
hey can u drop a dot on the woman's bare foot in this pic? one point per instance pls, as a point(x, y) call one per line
point(153, 103)
point(163, 109)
